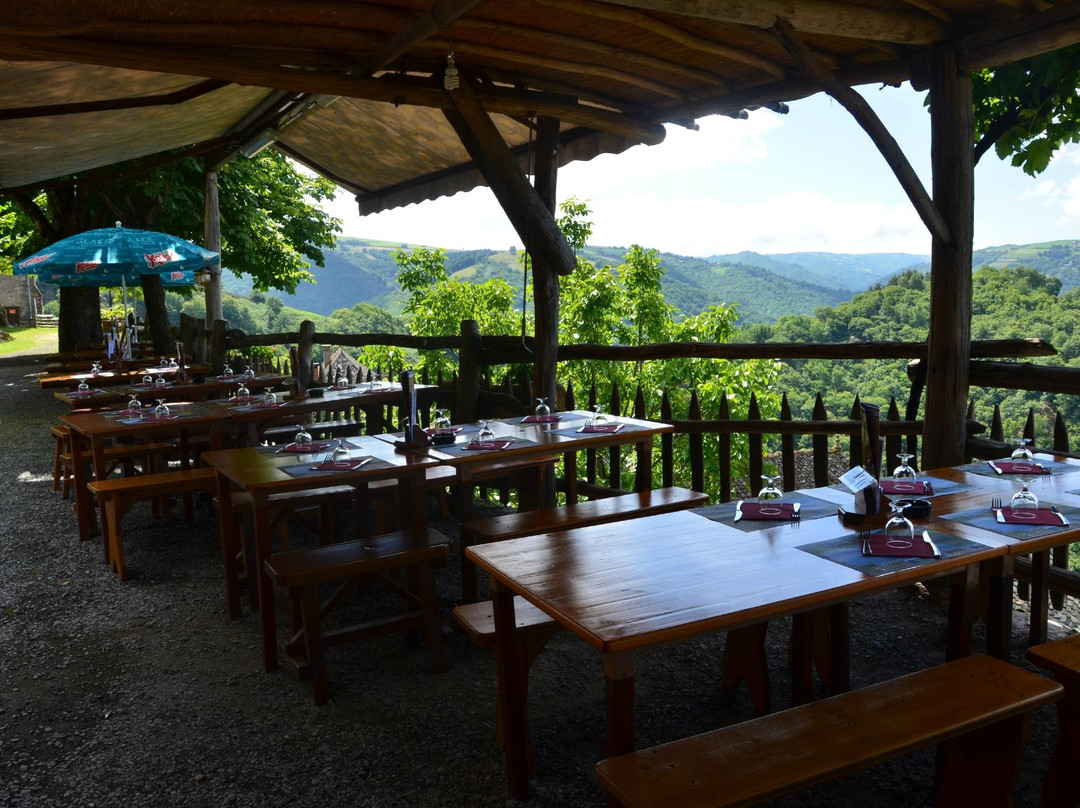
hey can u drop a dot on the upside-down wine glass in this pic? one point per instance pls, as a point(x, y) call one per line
point(442, 423)
point(161, 411)
point(899, 531)
point(302, 438)
point(269, 399)
point(598, 417)
point(485, 435)
point(543, 411)
point(770, 495)
point(904, 471)
point(227, 372)
point(159, 381)
point(248, 372)
point(134, 405)
point(242, 393)
point(1024, 501)
point(1022, 454)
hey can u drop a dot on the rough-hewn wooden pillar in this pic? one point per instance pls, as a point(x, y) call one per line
point(545, 276)
point(949, 341)
point(212, 230)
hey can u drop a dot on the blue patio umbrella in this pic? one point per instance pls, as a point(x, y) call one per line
point(176, 278)
point(117, 250)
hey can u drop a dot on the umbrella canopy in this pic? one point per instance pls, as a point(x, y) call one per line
point(119, 250)
point(176, 278)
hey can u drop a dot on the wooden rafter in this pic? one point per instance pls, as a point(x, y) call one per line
point(441, 15)
point(198, 62)
point(105, 105)
point(534, 223)
point(809, 16)
point(872, 125)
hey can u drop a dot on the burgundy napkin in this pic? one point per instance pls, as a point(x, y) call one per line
point(601, 428)
point(89, 392)
point(304, 448)
point(755, 510)
point(918, 548)
point(488, 444)
point(1013, 467)
point(1043, 516)
point(918, 487)
point(341, 465)
point(541, 419)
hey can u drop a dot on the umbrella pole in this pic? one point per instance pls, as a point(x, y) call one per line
point(128, 336)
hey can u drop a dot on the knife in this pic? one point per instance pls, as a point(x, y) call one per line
point(994, 466)
point(738, 510)
point(1059, 514)
point(999, 516)
point(926, 538)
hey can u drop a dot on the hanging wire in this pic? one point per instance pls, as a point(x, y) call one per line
point(528, 242)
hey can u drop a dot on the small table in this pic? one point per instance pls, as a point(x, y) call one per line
point(262, 471)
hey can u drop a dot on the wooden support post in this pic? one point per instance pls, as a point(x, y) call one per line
point(212, 229)
point(217, 345)
point(304, 347)
point(469, 364)
point(949, 340)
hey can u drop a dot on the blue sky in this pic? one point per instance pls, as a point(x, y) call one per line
point(810, 180)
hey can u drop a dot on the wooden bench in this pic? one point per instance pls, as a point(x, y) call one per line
point(1062, 658)
point(114, 456)
point(117, 495)
point(581, 514)
point(976, 708)
point(301, 571)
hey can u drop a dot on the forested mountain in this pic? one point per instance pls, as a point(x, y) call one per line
point(837, 271)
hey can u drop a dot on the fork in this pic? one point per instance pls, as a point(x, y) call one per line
point(864, 537)
point(995, 504)
point(795, 515)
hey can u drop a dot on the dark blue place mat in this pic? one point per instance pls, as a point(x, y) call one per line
point(984, 519)
point(571, 430)
point(458, 449)
point(306, 469)
point(847, 550)
point(812, 508)
point(980, 467)
point(941, 486)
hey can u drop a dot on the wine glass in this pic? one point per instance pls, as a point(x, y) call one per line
point(1024, 503)
point(899, 531)
point(442, 423)
point(227, 372)
point(302, 438)
point(485, 435)
point(269, 399)
point(1022, 454)
point(161, 411)
point(95, 369)
point(134, 405)
point(770, 495)
point(340, 452)
point(598, 417)
point(159, 381)
point(904, 471)
point(148, 380)
point(543, 411)
point(172, 363)
point(248, 372)
point(84, 388)
point(242, 392)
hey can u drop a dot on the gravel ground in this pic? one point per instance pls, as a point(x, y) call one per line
point(144, 693)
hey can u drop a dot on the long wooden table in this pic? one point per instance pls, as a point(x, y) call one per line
point(216, 387)
point(637, 584)
point(263, 471)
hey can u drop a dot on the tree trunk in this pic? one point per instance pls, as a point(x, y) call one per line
point(157, 316)
point(79, 324)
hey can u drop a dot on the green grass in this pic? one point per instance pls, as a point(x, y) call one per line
point(29, 340)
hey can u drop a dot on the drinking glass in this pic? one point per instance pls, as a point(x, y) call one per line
point(1022, 454)
point(159, 381)
point(268, 398)
point(442, 423)
point(248, 372)
point(161, 411)
point(542, 408)
point(899, 532)
point(148, 380)
point(340, 452)
point(84, 388)
point(242, 392)
point(770, 492)
point(303, 437)
point(598, 418)
point(485, 435)
point(227, 372)
point(1024, 501)
point(134, 404)
point(172, 363)
point(904, 471)
point(95, 369)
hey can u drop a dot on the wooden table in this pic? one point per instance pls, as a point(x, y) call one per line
point(637, 584)
point(92, 431)
point(216, 387)
point(132, 374)
point(261, 471)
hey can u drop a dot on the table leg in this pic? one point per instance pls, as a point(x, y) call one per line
point(999, 607)
point(511, 692)
point(1040, 602)
point(227, 535)
point(961, 611)
point(80, 463)
point(260, 507)
point(101, 471)
point(619, 693)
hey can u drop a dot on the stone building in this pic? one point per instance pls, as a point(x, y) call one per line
point(20, 299)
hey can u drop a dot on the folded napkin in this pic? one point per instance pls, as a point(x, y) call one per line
point(601, 428)
point(781, 511)
point(341, 465)
point(1015, 467)
point(906, 487)
point(444, 431)
point(878, 547)
point(1043, 516)
point(488, 444)
point(541, 419)
point(304, 448)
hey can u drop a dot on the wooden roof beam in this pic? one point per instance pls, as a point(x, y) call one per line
point(810, 17)
point(872, 125)
point(439, 16)
point(1031, 35)
point(534, 223)
point(140, 102)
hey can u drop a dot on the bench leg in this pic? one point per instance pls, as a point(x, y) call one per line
point(308, 598)
point(980, 767)
point(1059, 784)
point(744, 661)
point(511, 694)
point(114, 508)
point(962, 595)
point(1040, 585)
point(429, 603)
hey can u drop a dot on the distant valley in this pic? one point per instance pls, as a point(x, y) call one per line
point(765, 286)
